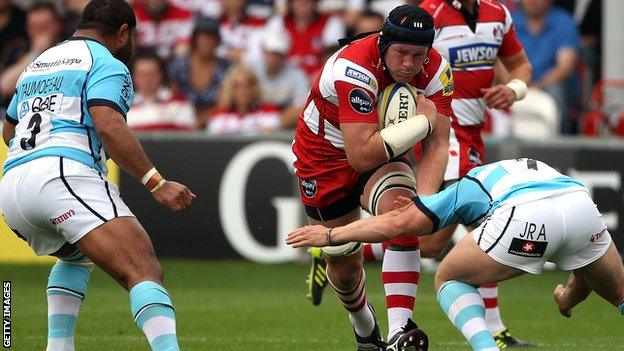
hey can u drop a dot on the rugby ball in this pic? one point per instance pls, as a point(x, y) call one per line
point(395, 104)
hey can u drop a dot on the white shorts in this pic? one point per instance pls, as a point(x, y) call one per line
point(565, 229)
point(50, 201)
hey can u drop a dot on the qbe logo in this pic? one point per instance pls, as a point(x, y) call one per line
point(6, 314)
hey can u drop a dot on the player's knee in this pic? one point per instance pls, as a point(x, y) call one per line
point(442, 275)
point(344, 276)
point(149, 271)
point(431, 249)
point(439, 279)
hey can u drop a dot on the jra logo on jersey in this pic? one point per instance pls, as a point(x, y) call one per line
point(360, 101)
point(473, 55)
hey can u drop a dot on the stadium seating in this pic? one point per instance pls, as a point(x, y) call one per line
point(536, 116)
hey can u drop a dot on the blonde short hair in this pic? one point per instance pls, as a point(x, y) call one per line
point(226, 96)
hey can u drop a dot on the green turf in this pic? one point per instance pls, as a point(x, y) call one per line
point(244, 306)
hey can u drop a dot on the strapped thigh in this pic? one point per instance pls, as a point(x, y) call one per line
point(389, 181)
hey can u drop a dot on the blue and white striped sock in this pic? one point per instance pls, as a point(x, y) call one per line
point(464, 307)
point(67, 286)
point(621, 307)
point(153, 312)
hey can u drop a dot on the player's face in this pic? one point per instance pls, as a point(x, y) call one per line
point(404, 61)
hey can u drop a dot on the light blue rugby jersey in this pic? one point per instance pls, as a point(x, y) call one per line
point(50, 108)
point(486, 188)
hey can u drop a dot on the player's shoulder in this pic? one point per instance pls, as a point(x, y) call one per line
point(361, 51)
point(492, 11)
point(433, 6)
point(69, 55)
point(434, 65)
point(435, 76)
point(359, 63)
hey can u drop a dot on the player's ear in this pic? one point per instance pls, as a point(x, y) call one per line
point(123, 34)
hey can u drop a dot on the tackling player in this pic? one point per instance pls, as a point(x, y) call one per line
point(67, 115)
point(471, 35)
point(525, 213)
point(344, 161)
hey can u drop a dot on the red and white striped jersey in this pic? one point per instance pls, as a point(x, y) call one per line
point(163, 34)
point(260, 118)
point(345, 91)
point(472, 54)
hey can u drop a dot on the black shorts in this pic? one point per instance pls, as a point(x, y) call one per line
point(349, 203)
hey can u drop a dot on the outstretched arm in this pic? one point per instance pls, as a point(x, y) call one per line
point(407, 220)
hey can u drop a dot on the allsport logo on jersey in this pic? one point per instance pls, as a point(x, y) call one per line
point(360, 101)
point(474, 55)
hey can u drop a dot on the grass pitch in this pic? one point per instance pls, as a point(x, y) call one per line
point(235, 305)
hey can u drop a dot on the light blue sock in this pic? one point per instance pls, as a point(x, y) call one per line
point(464, 307)
point(67, 286)
point(621, 307)
point(152, 311)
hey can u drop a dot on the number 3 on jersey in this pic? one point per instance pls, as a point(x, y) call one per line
point(34, 125)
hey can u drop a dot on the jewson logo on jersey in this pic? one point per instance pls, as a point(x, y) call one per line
point(360, 101)
point(474, 55)
point(361, 76)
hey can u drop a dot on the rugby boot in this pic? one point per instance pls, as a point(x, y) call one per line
point(505, 340)
point(317, 278)
point(373, 342)
point(411, 338)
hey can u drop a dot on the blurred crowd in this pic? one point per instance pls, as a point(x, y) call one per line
point(236, 66)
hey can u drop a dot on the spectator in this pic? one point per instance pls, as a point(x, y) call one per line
point(588, 16)
point(12, 34)
point(44, 28)
point(198, 75)
point(238, 30)
point(310, 33)
point(163, 27)
point(368, 21)
point(12, 30)
point(206, 8)
point(551, 40)
point(281, 84)
point(241, 109)
point(156, 107)
point(355, 8)
point(261, 8)
point(74, 9)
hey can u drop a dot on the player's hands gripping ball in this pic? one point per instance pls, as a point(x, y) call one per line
point(428, 108)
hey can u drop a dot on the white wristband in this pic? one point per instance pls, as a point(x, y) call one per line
point(148, 175)
point(519, 88)
point(158, 186)
point(400, 137)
